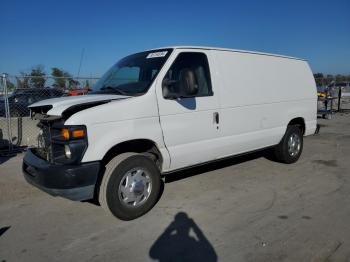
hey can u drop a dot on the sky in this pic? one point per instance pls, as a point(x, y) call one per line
point(54, 33)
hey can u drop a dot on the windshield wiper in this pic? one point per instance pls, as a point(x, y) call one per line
point(115, 89)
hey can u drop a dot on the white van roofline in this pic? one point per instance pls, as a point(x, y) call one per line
point(228, 50)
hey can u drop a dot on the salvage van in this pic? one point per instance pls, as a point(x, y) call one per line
point(164, 110)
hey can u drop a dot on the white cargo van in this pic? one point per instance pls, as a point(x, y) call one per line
point(162, 110)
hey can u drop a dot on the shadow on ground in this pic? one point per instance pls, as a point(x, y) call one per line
point(183, 241)
point(5, 155)
point(3, 230)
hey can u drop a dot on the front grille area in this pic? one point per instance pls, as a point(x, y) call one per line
point(51, 144)
point(44, 141)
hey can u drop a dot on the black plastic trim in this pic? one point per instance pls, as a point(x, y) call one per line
point(75, 182)
point(216, 160)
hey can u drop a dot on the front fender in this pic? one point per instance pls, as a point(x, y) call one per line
point(103, 136)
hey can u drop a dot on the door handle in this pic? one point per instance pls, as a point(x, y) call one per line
point(216, 117)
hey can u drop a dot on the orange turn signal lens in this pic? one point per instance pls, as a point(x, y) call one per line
point(78, 133)
point(65, 133)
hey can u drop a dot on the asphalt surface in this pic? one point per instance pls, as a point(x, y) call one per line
point(245, 209)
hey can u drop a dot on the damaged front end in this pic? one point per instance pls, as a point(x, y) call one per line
point(59, 143)
point(55, 165)
point(40, 112)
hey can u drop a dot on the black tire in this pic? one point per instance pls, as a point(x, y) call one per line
point(281, 151)
point(116, 169)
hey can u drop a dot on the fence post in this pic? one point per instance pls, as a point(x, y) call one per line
point(339, 99)
point(7, 112)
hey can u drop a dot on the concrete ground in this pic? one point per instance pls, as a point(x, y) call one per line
point(245, 209)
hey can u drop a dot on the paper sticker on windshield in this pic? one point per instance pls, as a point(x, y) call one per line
point(157, 54)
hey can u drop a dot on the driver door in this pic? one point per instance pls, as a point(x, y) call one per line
point(190, 125)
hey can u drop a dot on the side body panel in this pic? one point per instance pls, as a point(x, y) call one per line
point(259, 95)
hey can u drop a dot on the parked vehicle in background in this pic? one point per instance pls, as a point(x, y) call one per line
point(163, 110)
point(76, 92)
point(20, 99)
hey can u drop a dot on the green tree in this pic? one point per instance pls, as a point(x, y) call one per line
point(58, 75)
point(326, 80)
point(319, 79)
point(23, 80)
point(340, 78)
point(62, 77)
point(37, 77)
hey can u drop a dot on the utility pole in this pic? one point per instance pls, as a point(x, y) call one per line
point(81, 61)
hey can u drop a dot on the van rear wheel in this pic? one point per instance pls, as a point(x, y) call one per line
point(289, 149)
point(130, 186)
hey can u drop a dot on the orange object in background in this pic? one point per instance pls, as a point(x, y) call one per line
point(77, 92)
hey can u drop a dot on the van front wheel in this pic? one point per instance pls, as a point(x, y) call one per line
point(130, 186)
point(289, 149)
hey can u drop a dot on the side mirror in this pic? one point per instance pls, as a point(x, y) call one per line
point(188, 83)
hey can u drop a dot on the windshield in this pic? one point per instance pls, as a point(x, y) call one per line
point(133, 75)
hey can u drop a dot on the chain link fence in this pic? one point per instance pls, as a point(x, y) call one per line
point(17, 129)
point(333, 98)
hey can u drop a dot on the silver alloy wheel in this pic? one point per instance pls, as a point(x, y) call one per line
point(135, 187)
point(294, 145)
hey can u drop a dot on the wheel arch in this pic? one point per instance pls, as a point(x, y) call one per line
point(145, 146)
point(298, 121)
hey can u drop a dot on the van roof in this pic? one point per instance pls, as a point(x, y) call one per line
point(229, 50)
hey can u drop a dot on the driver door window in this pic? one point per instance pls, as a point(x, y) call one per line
point(197, 63)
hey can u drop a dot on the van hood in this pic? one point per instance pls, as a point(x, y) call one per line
point(58, 107)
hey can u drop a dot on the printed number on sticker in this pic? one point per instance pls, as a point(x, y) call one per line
point(157, 54)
